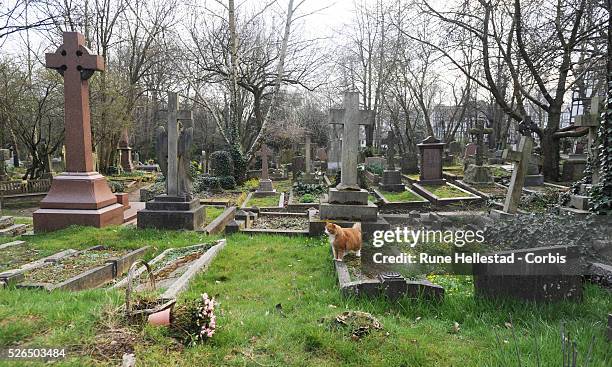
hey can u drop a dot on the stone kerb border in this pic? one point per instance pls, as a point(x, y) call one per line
point(94, 277)
point(401, 204)
point(292, 205)
point(219, 223)
point(443, 201)
point(14, 276)
point(284, 232)
point(380, 288)
point(201, 264)
point(281, 202)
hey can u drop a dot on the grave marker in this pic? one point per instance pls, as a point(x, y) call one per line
point(477, 173)
point(125, 152)
point(80, 195)
point(392, 178)
point(351, 118)
point(4, 155)
point(177, 209)
point(431, 160)
point(521, 159)
point(265, 184)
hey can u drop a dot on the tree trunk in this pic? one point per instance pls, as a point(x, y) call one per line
point(550, 148)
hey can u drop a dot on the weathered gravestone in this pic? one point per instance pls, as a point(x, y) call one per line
point(125, 152)
point(80, 195)
point(521, 159)
point(308, 177)
point(534, 177)
point(335, 150)
point(177, 209)
point(265, 183)
point(298, 165)
point(477, 173)
point(392, 178)
point(431, 161)
point(409, 163)
point(347, 200)
point(4, 155)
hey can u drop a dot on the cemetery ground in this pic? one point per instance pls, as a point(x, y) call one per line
point(278, 299)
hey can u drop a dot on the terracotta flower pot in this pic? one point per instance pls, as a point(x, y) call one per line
point(161, 318)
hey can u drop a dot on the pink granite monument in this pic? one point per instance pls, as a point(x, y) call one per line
point(80, 195)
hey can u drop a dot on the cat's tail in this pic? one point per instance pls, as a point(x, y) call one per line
point(357, 226)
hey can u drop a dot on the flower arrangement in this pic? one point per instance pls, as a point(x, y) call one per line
point(194, 321)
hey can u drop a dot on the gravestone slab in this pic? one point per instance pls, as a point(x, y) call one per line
point(409, 163)
point(265, 183)
point(550, 281)
point(392, 181)
point(431, 161)
point(125, 152)
point(5, 154)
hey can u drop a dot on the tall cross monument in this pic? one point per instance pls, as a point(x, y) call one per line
point(351, 117)
point(80, 195)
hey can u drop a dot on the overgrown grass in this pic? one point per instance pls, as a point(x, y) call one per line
point(273, 292)
point(446, 191)
point(212, 212)
point(264, 201)
point(401, 196)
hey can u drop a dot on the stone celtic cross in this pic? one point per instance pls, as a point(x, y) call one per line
point(480, 131)
point(76, 64)
point(264, 153)
point(351, 117)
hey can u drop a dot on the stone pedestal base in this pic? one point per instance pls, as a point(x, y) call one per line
point(364, 213)
point(265, 188)
point(534, 180)
point(81, 198)
point(46, 220)
point(309, 178)
point(172, 212)
point(126, 159)
point(392, 181)
point(357, 197)
point(477, 175)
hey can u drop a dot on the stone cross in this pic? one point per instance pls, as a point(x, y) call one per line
point(76, 64)
point(264, 153)
point(480, 131)
point(307, 155)
point(391, 141)
point(591, 120)
point(521, 159)
point(174, 116)
point(350, 117)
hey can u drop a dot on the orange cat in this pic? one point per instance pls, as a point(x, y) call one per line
point(344, 240)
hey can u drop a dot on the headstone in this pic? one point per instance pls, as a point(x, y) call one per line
point(4, 156)
point(591, 120)
point(137, 157)
point(347, 200)
point(477, 173)
point(375, 161)
point(392, 178)
point(298, 165)
point(203, 163)
point(521, 161)
point(534, 177)
point(177, 209)
point(265, 184)
point(321, 154)
point(470, 150)
point(80, 195)
point(308, 176)
point(125, 151)
point(335, 150)
point(454, 147)
point(431, 161)
point(409, 163)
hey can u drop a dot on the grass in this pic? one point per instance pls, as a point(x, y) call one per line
point(446, 191)
point(264, 201)
point(401, 196)
point(273, 293)
point(212, 212)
